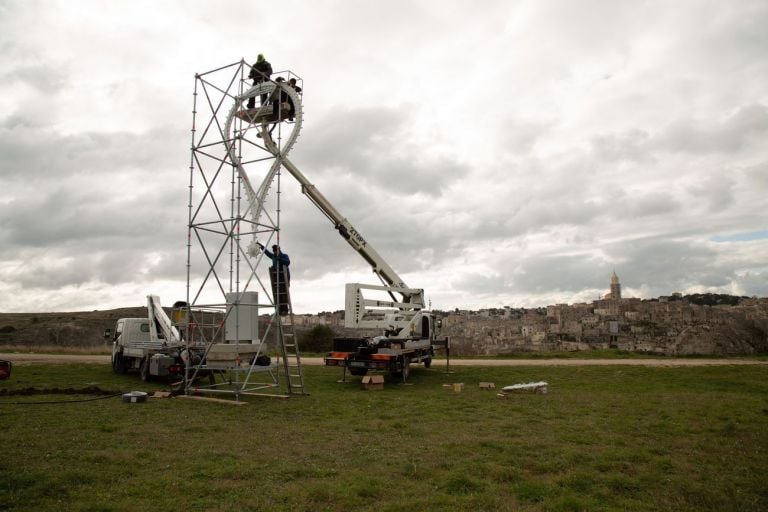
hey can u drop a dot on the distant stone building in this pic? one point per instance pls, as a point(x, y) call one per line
point(671, 326)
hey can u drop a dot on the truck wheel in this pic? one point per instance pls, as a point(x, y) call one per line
point(118, 364)
point(427, 362)
point(406, 369)
point(144, 369)
point(358, 371)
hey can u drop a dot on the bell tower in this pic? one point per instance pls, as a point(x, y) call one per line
point(615, 286)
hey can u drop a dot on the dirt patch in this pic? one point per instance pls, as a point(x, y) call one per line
point(26, 359)
point(89, 390)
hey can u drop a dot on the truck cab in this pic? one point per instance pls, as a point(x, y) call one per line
point(130, 330)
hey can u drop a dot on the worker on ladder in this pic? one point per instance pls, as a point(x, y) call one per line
point(279, 276)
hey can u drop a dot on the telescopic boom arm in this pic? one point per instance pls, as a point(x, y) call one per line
point(380, 267)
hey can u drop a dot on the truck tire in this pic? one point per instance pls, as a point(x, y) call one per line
point(144, 369)
point(358, 371)
point(118, 364)
point(427, 362)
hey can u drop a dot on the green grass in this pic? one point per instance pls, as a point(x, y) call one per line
point(604, 438)
point(102, 349)
point(612, 353)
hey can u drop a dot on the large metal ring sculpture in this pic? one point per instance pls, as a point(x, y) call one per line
point(260, 120)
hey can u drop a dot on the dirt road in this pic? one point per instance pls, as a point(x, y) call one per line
point(26, 359)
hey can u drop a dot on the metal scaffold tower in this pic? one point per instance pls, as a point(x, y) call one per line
point(238, 326)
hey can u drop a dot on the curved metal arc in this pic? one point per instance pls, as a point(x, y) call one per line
point(256, 198)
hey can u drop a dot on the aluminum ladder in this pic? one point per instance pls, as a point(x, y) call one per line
point(288, 342)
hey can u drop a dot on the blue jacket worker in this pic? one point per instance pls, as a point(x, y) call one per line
point(280, 260)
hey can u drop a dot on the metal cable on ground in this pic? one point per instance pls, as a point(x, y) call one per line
point(49, 402)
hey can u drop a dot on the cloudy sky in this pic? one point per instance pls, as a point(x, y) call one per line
point(495, 153)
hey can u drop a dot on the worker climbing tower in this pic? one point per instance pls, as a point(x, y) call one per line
point(238, 295)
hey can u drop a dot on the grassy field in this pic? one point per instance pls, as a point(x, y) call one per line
point(604, 438)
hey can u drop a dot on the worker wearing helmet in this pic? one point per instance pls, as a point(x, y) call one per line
point(260, 72)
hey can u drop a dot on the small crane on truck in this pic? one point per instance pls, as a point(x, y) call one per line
point(409, 331)
point(151, 345)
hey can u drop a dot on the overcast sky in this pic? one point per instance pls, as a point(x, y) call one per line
point(495, 153)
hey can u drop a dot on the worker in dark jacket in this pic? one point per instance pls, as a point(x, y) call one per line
point(280, 260)
point(279, 276)
point(260, 72)
point(291, 106)
point(284, 98)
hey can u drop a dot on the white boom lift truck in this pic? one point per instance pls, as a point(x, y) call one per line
point(151, 345)
point(409, 333)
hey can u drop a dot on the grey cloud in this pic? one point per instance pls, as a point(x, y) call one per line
point(520, 136)
point(344, 133)
point(754, 283)
point(566, 200)
point(75, 269)
point(713, 280)
point(77, 218)
point(43, 78)
point(716, 190)
point(628, 146)
point(645, 205)
point(482, 285)
point(757, 176)
point(107, 266)
point(660, 266)
point(31, 152)
point(666, 266)
point(546, 274)
point(372, 144)
point(735, 41)
point(748, 125)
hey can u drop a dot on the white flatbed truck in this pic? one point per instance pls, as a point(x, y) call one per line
point(150, 345)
